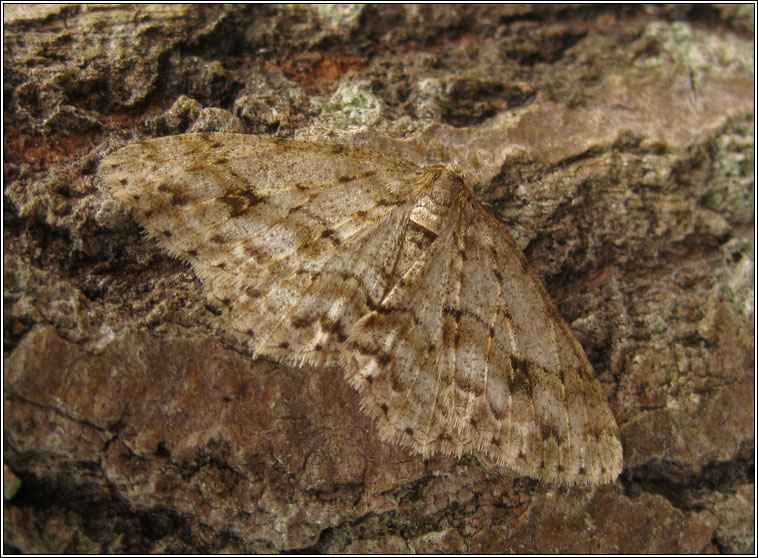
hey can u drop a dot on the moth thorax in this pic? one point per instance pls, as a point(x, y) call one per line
point(433, 208)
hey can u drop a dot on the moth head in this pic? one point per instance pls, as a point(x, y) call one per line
point(443, 193)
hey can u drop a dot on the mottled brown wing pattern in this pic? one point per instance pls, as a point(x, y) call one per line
point(328, 254)
point(294, 247)
point(489, 366)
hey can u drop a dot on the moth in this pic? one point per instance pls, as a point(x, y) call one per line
point(333, 255)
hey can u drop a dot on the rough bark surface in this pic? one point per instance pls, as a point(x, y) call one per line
point(620, 140)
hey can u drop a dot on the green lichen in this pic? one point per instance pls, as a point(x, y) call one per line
point(336, 14)
point(699, 51)
point(730, 189)
point(737, 276)
point(351, 107)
